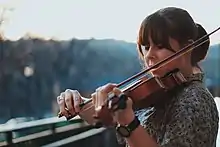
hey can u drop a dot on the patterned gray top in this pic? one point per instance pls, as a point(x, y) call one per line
point(189, 119)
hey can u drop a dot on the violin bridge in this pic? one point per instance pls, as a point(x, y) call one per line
point(179, 78)
point(160, 83)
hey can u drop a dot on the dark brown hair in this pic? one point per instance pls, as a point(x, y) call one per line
point(175, 23)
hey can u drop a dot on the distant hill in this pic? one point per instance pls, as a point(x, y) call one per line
point(211, 66)
point(214, 52)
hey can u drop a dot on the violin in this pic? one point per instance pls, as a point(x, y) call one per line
point(144, 91)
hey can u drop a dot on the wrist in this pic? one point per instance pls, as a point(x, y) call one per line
point(127, 118)
point(127, 130)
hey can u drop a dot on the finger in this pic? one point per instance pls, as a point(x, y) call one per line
point(116, 91)
point(107, 88)
point(114, 95)
point(77, 100)
point(122, 99)
point(93, 96)
point(120, 94)
point(69, 101)
point(61, 104)
point(102, 94)
point(97, 98)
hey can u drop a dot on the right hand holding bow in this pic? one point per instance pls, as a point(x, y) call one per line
point(69, 102)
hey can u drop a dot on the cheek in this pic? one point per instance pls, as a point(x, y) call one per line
point(165, 69)
point(169, 66)
point(177, 63)
point(163, 54)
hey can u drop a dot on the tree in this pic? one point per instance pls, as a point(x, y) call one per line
point(3, 79)
point(3, 19)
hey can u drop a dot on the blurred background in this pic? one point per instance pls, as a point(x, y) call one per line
point(52, 45)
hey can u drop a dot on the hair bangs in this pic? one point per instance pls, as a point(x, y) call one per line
point(155, 28)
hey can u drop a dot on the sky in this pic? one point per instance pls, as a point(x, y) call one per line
point(100, 19)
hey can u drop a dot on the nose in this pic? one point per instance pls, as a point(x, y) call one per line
point(149, 55)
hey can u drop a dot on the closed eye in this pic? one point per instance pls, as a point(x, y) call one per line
point(160, 46)
point(147, 47)
point(144, 48)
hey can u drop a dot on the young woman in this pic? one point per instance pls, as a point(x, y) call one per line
point(189, 118)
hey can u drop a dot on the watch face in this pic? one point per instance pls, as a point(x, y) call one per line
point(123, 131)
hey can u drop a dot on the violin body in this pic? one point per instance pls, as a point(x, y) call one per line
point(145, 93)
point(150, 91)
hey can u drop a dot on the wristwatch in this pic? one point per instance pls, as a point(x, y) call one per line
point(126, 130)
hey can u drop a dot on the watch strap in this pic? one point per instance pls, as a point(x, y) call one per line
point(129, 128)
point(134, 124)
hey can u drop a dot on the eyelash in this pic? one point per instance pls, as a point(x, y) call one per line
point(146, 48)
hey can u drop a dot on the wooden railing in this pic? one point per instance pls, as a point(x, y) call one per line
point(26, 131)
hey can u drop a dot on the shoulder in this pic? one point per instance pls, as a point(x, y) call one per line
point(191, 115)
point(195, 96)
point(195, 105)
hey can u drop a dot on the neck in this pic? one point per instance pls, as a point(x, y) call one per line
point(187, 71)
point(196, 70)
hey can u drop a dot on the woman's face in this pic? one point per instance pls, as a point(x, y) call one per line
point(155, 53)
